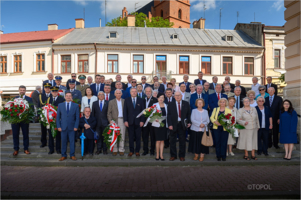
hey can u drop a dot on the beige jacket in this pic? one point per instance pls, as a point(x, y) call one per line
point(113, 110)
point(252, 118)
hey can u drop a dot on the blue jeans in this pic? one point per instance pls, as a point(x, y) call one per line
point(65, 136)
point(221, 141)
point(16, 133)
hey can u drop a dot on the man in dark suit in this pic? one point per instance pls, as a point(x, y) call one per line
point(118, 85)
point(238, 97)
point(50, 81)
point(73, 77)
point(100, 111)
point(133, 106)
point(109, 95)
point(168, 96)
point(129, 83)
point(198, 95)
point(270, 84)
point(178, 121)
point(161, 87)
point(200, 80)
point(148, 130)
point(215, 97)
point(134, 85)
point(274, 103)
point(35, 96)
point(243, 89)
point(67, 121)
point(227, 78)
point(23, 126)
point(99, 84)
point(158, 87)
point(143, 82)
point(55, 100)
point(185, 78)
point(214, 83)
point(118, 79)
point(140, 92)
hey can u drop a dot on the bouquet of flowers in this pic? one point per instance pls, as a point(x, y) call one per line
point(48, 117)
point(17, 111)
point(152, 114)
point(228, 122)
point(111, 135)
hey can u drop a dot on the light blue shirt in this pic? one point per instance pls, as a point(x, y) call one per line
point(67, 105)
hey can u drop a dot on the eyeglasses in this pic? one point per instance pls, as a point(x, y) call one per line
point(143, 78)
point(134, 82)
point(261, 90)
point(73, 76)
point(260, 101)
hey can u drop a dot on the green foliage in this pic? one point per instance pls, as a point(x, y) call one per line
point(282, 78)
point(109, 132)
point(139, 21)
point(12, 113)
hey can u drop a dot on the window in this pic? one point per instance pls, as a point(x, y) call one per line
point(184, 65)
point(112, 63)
point(40, 63)
point(138, 64)
point(249, 66)
point(206, 64)
point(229, 38)
point(161, 13)
point(83, 66)
point(180, 14)
point(66, 64)
point(227, 65)
point(277, 58)
point(18, 63)
point(160, 66)
point(113, 34)
point(174, 36)
point(3, 64)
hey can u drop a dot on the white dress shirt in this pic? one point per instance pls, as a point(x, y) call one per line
point(255, 89)
point(199, 96)
point(47, 95)
point(51, 82)
point(129, 85)
point(177, 105)
point(263, 119)
point(165, 85)
point(69, 105)
point(108, 96)
point(103, 102)
point(119, 106)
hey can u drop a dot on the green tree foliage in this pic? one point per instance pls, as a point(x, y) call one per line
point(139, 21)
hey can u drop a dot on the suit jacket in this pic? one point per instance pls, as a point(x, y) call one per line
point(230, 94)
point(251, 118)
point(211, 86)
point(143, 95)
point(113, 110)
point(82, 89)
point(114, 88)
point(172, 117)
point(187, 86)
point(159, 108)
point(241, 97)
point(210, 91)
point(172, 100)
point(93, 88)
point(92, 122)
point(243, 90)
point(267, 114)
point(101, 116)
point(146, 85)
point(275, 108)
point(124, 94)
point(160, 89)
point(130, 113)
point(128, 91)
point(152, 101)
point(111, 96)
point(197, 81)
point(67, 84)
point(67, 121)
point(187, 97)
point(194, 97)
point(44, 100)
point(58, 100)
point(85, 102)
point(47, 81)
point(35, 98)
point(214, 115)
point(76, 94)
point(274, 86)
point(213, 101)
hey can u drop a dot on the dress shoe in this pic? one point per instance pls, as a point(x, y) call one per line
point(73, 158)
point(50, 152)
point(201, 159)
point(223, 159)
point(182, 159)
point(58, 152)
point(157, 159)
point(26, 152)
point(15, 153)
point(172, 159)
point(130, 154)
point(105, 152)
point(144, 153)
point(277, 147)
point(62, 158)
point(152, 153)
point(218, 159)
point(137, 154)
point(266, 154)
point(196, 157)
point(162, 159)
point(42, 146)
point(98, 152)
point(114, 153)
point(121, 153)
point(258, 153)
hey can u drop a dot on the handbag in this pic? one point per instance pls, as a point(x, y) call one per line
point(207, 140)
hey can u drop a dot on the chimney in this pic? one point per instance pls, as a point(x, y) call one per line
point(1, 32)
point(131, 20)
point(200, 24)
point(79, 23)
point(99, 22)
point(52, 27)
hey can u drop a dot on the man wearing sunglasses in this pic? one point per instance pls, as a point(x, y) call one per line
point(73, 77)
point(134, 85)
point(143, 82)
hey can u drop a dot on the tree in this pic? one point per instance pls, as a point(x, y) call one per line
point(139, 21)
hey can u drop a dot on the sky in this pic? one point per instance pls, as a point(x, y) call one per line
point(34, 15)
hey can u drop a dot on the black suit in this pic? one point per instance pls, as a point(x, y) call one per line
point(178, 127)
point(44, 131)
point(275, 109)
point(113, 88)
point(89, 141)
point(148, 130)
point(243, 90)
point(211, 86)
point(274, 86)
point(166, 100)
point(161, 89)
point(102, 122)
point(240, 104)
point(166, 142)
point(197, 81)
point(35, 98)
point(130, 115)
point(67, 84)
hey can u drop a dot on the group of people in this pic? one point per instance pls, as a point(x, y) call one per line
point(190, 109)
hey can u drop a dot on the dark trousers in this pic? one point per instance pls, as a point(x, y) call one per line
point(16, 133)
point(274, 133)
point(68, 135)
point(182, 141)
point(148, 131)
point(44, 135)
point(134, 132)
point(101, 145)
point(57, 141)
point(221, 141)
point(263, 140)
point(89, 146)
point(166, 142)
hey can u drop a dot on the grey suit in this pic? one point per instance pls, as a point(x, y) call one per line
point(187, 97)
point(210, 91)
point(35, 98)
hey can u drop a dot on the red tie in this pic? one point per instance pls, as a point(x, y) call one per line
point(107, 97)
point(168, 100)
point(218, 96)
point(179, 108)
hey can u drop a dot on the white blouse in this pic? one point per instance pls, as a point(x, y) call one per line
point(85, 102)
point(253, 104)
point(198, 118)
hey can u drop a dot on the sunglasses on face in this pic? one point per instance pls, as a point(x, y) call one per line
point(261, 90)
point(133, 82)
point(143, 78)
point(73, 76)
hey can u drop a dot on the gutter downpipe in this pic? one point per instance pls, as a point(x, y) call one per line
point(264, 61)
point(52, 64)
point(95, 59)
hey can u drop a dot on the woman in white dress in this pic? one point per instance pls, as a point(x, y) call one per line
point(87, 101)
point(251, 96)
point(231, 140)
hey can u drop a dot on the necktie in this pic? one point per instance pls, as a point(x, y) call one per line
point(218, 97)
point(237, 102)
point(168, 100)
point(179, 108)
point(134, 102)
point(54, 99)
point(67, 108)
point(97, 89)
point(100, 106)
point(199, 96)
point(107, 98)
point(271, 100)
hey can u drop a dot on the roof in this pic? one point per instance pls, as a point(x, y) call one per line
point(146, 8)
point(33, 36)
point(158, 36)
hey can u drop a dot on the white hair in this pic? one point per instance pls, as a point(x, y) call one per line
point(260, 97)
point(199, 85)
point(238, 81)
point(130, 75)
point(117, 90)
point(90, 77)
point(118, 75)
point(237, 87)
point(133, 89)
point(100, 92)
point(185, 75)
point(38, 87)
point(255, 77)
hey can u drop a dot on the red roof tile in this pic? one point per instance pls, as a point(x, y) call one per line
point(33, 36)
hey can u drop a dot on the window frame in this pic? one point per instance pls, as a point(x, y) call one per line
point(279, 58)
point(40, 60)
point(66, 65)
point(227, 65)
point(83, 63)
point(248, 73)
point(160, 67)
point(180, 14)
point(206, 62)
point(138, 67)
point(184, 63)
point(4, 63)
point(112, 63)
point(18, 64)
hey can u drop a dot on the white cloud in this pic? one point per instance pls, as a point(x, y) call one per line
point(81, 2)
point(210, 4)
point(278, 4)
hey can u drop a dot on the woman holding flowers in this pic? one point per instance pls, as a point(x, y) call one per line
point(161, 132)
point(248, 117)
point(220, 134)
point(231, 140)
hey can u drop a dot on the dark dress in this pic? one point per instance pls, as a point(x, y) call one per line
point(161, 133)
point(288, 127)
